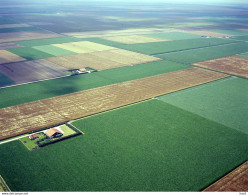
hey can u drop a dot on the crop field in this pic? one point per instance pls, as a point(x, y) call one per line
point(7, 57)
point(134, 39)
point(242, 38)
point(223, 101)
point(53, 50)
point(102, 60)
point(202, 54)
point(208, 33)
point(24, 118)
point(30, 53)
point(233, 64)
point(50, 88)
point(235, 181)
point(18, 29)
point(4, 80)
point(27, 35)
point(13, 25)
point(8, 46)
point(129, 149)
point(28, 71)
point(175, 35)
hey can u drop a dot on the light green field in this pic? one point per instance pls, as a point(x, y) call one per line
point(74, 48)
point(141, 147)
point(223, 101)
point(55, 51)
point(175, 35)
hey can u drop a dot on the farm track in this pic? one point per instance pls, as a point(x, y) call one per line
point(40, 114)
point(237, 181)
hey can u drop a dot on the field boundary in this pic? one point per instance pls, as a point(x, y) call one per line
point(4, 183)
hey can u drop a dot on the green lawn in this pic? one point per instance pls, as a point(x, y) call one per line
point(150, 146)
point(4, 80)
point(168, 46)
point(55, 87)
point(223, 101)
point(29, 53)
point(67, 130)
point(175, 35)
point(40, 42)
point(54, 51)
point(197, 55)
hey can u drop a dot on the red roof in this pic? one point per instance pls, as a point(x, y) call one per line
point(52, 131)
point(33, 136)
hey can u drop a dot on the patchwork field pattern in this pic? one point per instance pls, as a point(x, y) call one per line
point(7, 57)
point(209, 33)
point(102, 60)
point(26, 35)
point(28, 71)
point(8, 45)
point(40, 114)
point(236, 181)
point(55, 51)
point(233, 64)
point(134, 39)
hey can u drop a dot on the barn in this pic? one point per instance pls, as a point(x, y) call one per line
point(53, 133)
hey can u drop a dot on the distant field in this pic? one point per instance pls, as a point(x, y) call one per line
point(18, 29)
point(245, 55)
point(7, 57)
point(232, 32)
point(50, 88)
point(8, 46)
point(223, 101)
point(137, 148)
point(203, 54)
point(24, 118)
point(53, 50)
point(232, 64)
point(4, 80)
point(209, 33)
point(242, 38)
point(30, 53)
point(168, 46)
point(175, 35)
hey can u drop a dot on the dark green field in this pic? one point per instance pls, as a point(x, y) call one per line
point(137, 148)
point(223, 101)
point(4, 80)
point(203, 54)
point(50, 88)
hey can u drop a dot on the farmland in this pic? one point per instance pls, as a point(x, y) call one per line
point(36, 115)
point(232, 64)
point(158, 89)
point(129, 149)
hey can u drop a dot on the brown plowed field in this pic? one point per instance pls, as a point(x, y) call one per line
point(28, 71)
point(8, 57)
point(134, 39)
point(27, 35)
point(208, 33)
point(8, 45)
point(23, 118)
point(234, 65)
point(102, 60)
point(236, 181)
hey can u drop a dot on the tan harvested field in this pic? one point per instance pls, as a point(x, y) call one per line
point(83, 47)
point(24, 118)
point(208, 33)
point(133, 39)
point(8, 57)
point(13, 25)
point(233, 64)
point(28, 71)
point(102, 60)
point(8, 45)
point(27, 35)
point(236, 181)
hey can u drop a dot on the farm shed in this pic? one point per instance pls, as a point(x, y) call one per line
point(33, 136)
point(53, 133)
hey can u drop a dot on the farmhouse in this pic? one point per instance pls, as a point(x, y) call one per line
point(33, 136)
point(53, 133)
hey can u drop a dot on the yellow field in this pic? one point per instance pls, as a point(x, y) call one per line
point(27, 35)
point(208, 33)
point(133, 39)
point(7, 57)
point(102, 60)
point(83, 47)
point(24, 118)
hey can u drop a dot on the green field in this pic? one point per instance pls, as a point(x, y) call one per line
point(29, 53)
point(197, 55)
point(223, 101)
point(168, 46)
point(245, 55)
point(232, 32)
point(50, 88)
point(53, 50)
point(175, 35)
point(141, 147)
point(4, 80)
point(40, 42)
point(18, 29)
point(242, 38)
